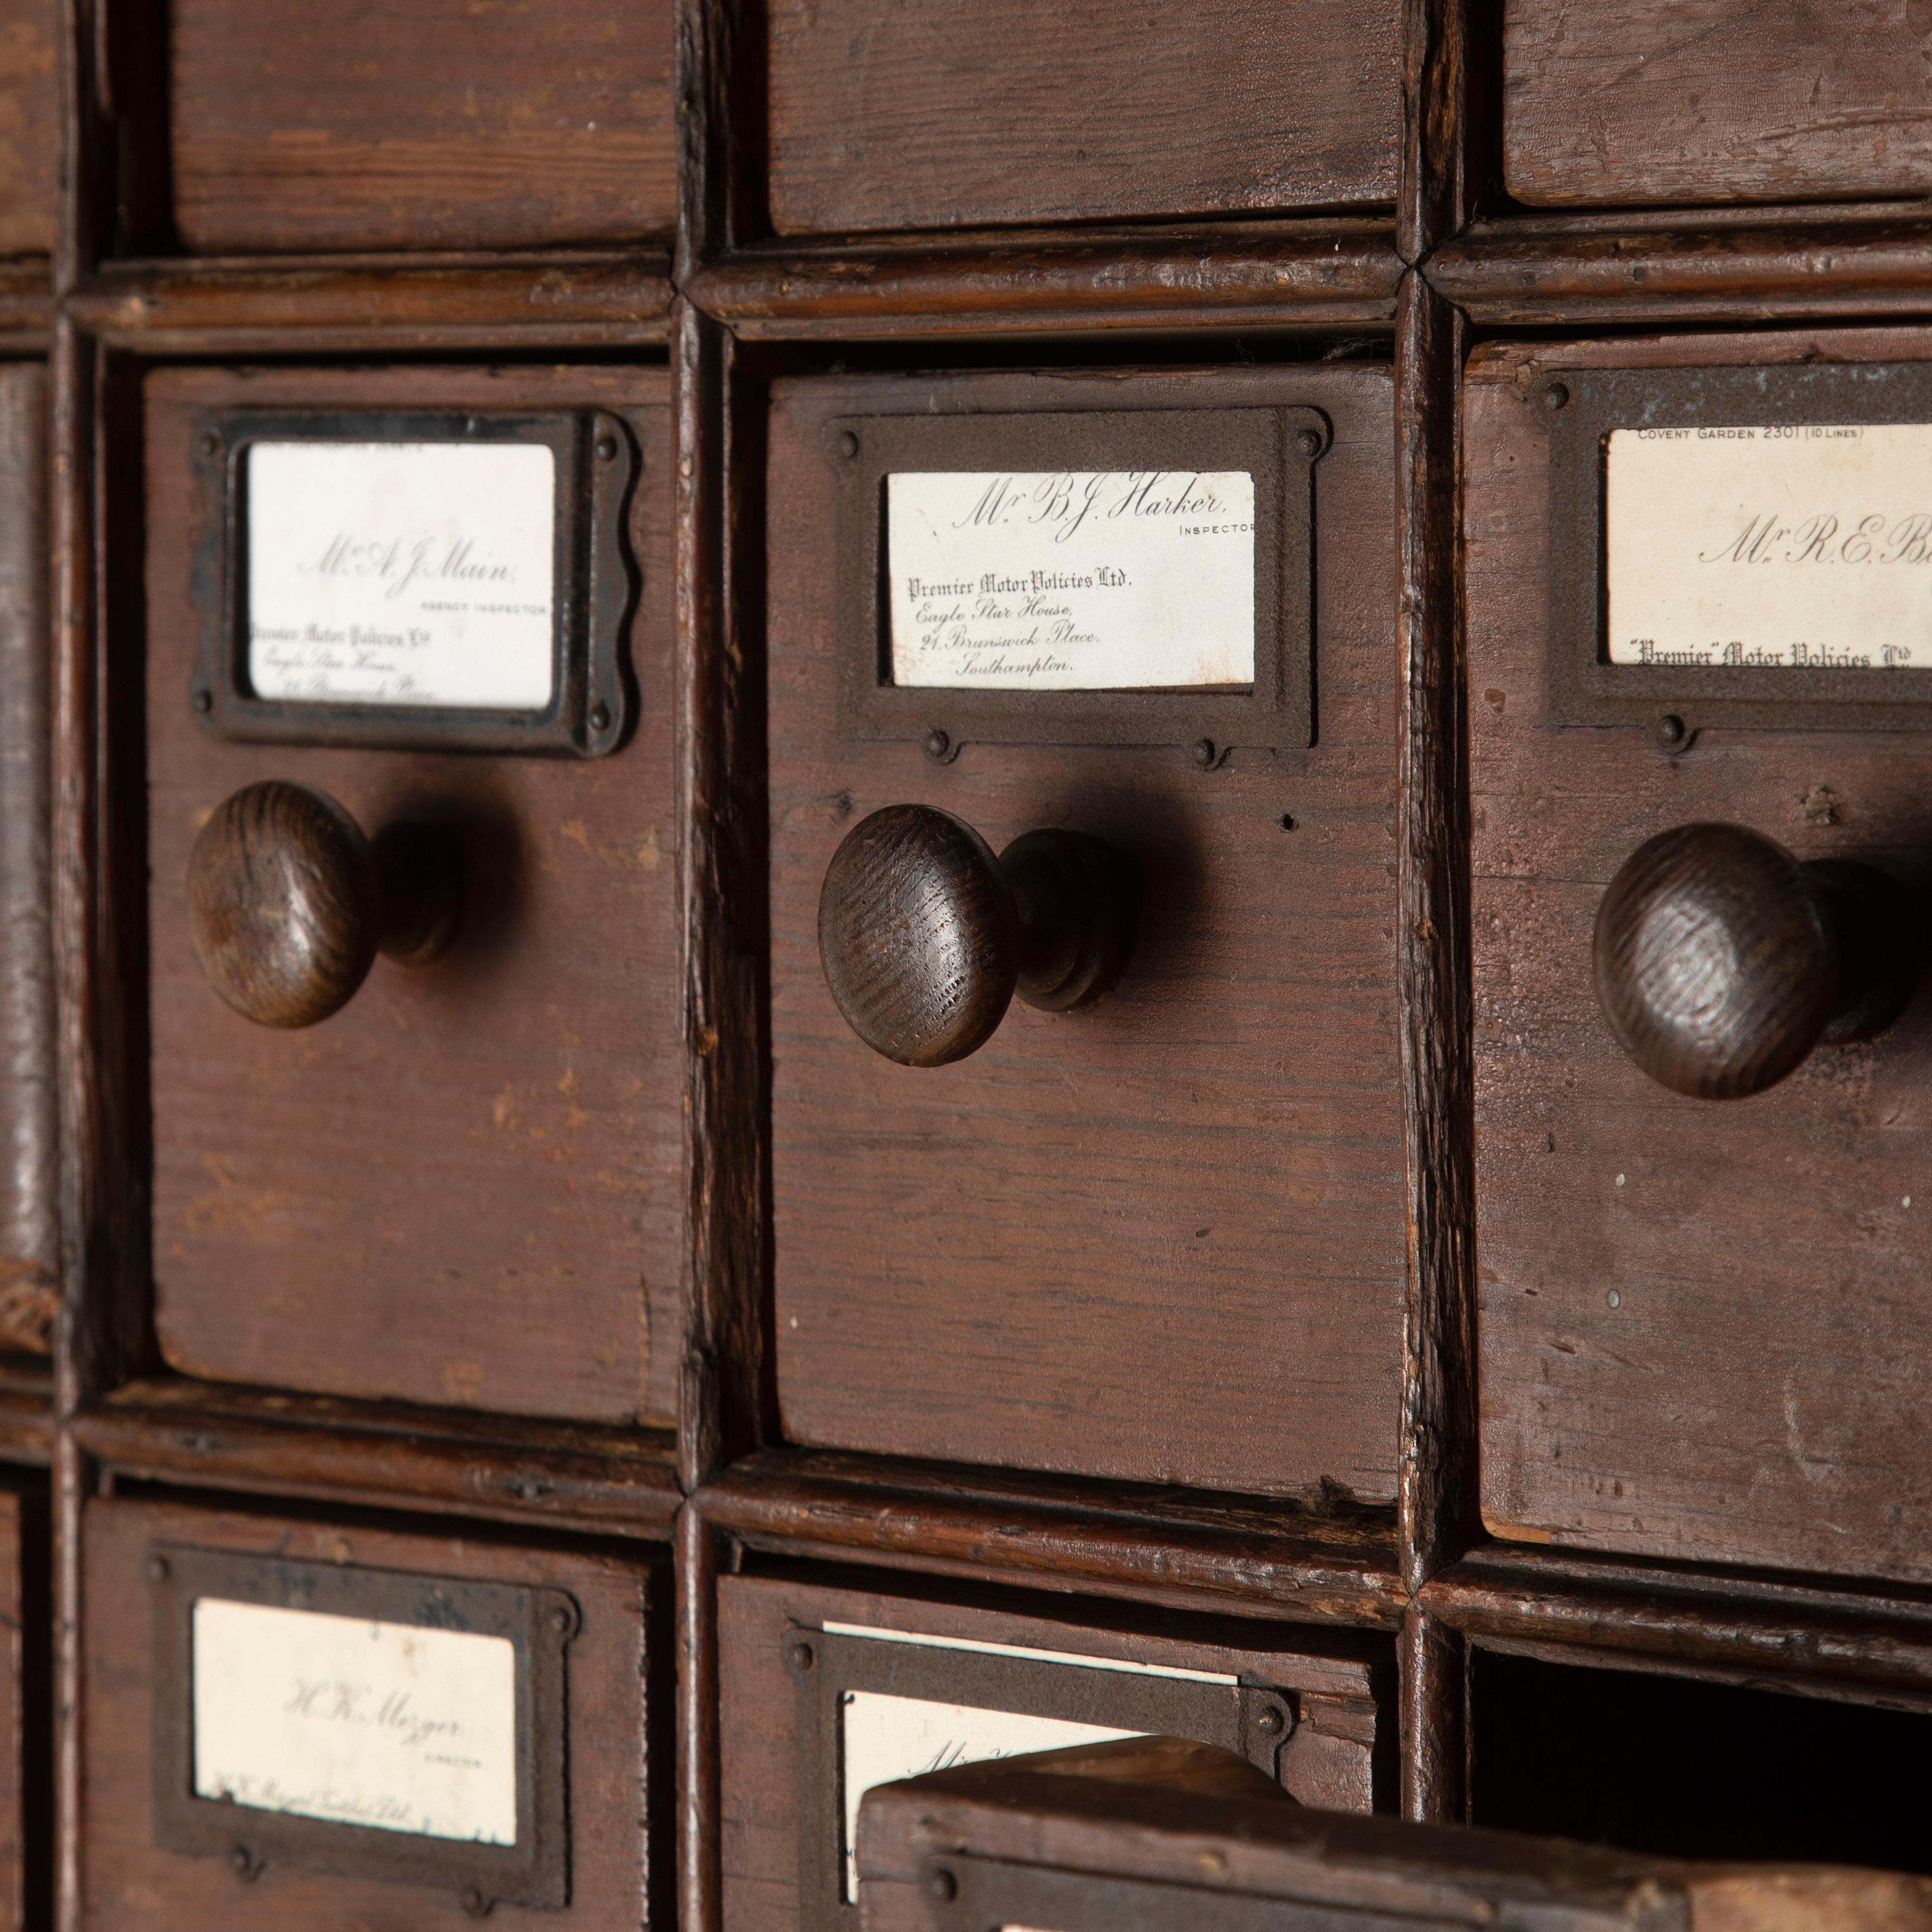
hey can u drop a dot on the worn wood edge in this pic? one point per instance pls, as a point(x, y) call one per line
point(26, 1415)
point(1759, 1626)
point(26, 304)
point(720, 740)
point(1249, 1556)
point(376, 302)
point(1431, 191)
point(720, 92)
point(1333, 274)
point(1432, 1668)
point(699, 1851)
point(1641, 273)
point(206, 1435)
point(1436, 1487)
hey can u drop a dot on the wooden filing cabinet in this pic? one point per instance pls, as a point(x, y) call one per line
point(588, 1682)
point(1160, 1238)
point(1699, 1319)
point(827, 1689)
point(347, 1207)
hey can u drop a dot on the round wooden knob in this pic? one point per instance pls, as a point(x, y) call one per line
point(289, 904)
point(1722, 960)
point(925, 936)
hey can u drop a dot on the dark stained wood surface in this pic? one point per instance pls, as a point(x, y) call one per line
point(1162, 1239)
point(465, 1188)
point(420, 124)
point(1124, 1812)
point(29, 126)
point(885, 116)
point(29, 1219)
point(614, 1672)
point(17, 1657)
point(1326, 1762)
point(1704, 1333)
point(1668, 101)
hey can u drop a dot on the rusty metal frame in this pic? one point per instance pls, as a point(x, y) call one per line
point(538, 1622)
point(1580, 408)
point(1252, 1720)
point(592, 692)
point(1280, 446)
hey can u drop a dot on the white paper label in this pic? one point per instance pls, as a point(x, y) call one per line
point(402, 573)
point(1806, 545)
point(392, 1725)
point(1073, 580)
point(883, 1737)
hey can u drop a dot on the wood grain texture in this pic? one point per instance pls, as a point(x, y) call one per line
point(30, 137)
point(1698, 1342)
point(1115, 1814)
point(1151, 1543)
point(467, 1188)
point(616, 1669)
point(1663, 101)
point(29, 1217)
point(884, 116)
point(16, 1659)
point(434, 124)
point(1179, 1257)
point(1327, 1761)
point(608, 1481)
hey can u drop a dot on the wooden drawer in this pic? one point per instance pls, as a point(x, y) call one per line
point(885, 116)
point(826, 1691)
point(1677, 101)
point(1162, 1238)
point(29, 128)
point(29, 1229)
point(430, 124)
point(464, 1186)
point(26, 1705)
point(155, 1856)
point(1700, 1321)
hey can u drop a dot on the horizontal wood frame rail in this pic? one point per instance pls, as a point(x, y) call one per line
point(607, 1481)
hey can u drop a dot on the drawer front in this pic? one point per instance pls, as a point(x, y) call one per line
point(884, 116)
point(1699, 1320)
point(462, 1187)
point(1160, 1238)
point(428, 125)
point(29, 129)
point(29, 1231)
point(195, 1619)
point(1667, 103)
point(828, 1691)
point(26, 1751)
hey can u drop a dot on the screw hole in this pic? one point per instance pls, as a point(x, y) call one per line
point(1288, 821)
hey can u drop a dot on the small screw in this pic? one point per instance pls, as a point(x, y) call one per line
point(211, 443)
point(158, 1571)
point(941, 1885)
point(937, 744)
point(243, 1860)
point(1309, 443)
point(1616, 1299)
point(1555, 396)
point(607, 449)
point(473, 1903)
point(1268, 1720)
point(203, 702)
point(560, 1620)
point(848, 443)
point(1205, 752)
point(1671, 732)
point(799, 1654)
point(600, 718)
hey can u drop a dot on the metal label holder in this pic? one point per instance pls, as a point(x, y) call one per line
point(538, 1622)
point(592, 693)
point(1251, 1720)
point(1580, 407)
point(1279, 447)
